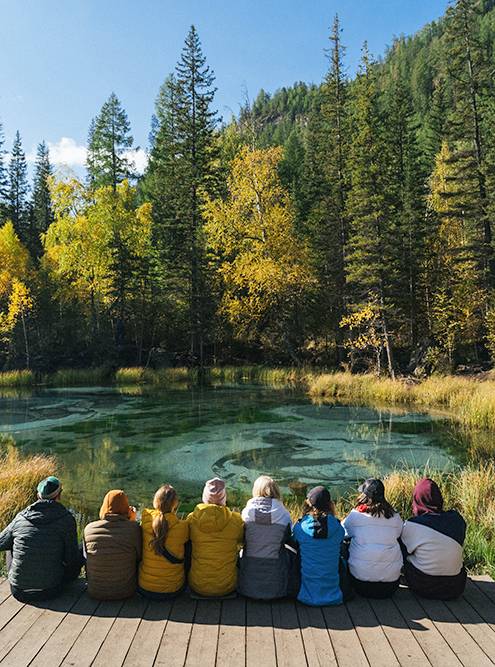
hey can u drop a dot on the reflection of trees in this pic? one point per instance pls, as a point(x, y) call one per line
point(88, 471)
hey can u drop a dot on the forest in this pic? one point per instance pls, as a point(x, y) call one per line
point(348, 224)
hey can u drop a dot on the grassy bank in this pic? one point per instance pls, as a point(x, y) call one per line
point(19, 477)
point(470, 401)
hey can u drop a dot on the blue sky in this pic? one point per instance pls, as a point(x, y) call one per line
point(62, 58)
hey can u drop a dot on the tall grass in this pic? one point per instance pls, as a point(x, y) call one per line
point(19, 477)
point(470, 401)
point(71, 377)
point(23, 378)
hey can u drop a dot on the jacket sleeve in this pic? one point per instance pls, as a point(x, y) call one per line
point(240, 532)
point(72, 555)
point(7, 537)
point(347, 525)
point(139, 543)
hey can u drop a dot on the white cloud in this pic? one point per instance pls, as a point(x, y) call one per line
point(67, 152)
point(139, 159)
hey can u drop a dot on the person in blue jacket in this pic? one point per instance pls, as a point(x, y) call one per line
point(319, 537)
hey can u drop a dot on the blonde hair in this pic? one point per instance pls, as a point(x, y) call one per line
point(266, 487)
point(165, 501)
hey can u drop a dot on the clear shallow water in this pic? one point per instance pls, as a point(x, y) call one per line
point(111, 438)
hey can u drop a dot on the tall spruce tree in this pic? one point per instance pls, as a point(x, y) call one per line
point(469, 73)
point(371, 262)
point(109, 141)
point(325, 190)
point(4, 181)
point(183, 168)
point(17, 203)
point(406, 190)
point(41, 206)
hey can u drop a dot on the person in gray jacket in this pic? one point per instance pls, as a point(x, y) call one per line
point(43, 541)
point(264, 566)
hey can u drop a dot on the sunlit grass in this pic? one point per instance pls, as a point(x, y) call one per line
point(23, 378)
point(19, 477)
point(469, 401)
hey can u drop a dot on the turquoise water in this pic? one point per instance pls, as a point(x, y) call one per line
point(136, 440)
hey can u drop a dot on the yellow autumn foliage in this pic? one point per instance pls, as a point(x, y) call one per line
point(262, 263)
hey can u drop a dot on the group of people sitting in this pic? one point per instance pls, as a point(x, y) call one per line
point(216, 552)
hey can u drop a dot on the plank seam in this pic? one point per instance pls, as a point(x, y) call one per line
point(190, 631)
point(357, 634)
point(397, 606)
point(37, 619)
point(441, 633)
point(162, 633)
point(147, 604)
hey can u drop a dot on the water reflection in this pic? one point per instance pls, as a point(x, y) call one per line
point(137, 438)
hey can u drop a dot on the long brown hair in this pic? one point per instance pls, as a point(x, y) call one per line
point(379, 507)
point(165, 501)
point(308, 508)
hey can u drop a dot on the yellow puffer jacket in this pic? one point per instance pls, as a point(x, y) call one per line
point(216, 535)
point(156, 573)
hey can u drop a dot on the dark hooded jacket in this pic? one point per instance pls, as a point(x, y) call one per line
point(43, 541)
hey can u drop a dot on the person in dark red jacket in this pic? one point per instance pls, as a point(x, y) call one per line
point(434, 539)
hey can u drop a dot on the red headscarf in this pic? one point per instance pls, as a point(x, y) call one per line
point(427, 497)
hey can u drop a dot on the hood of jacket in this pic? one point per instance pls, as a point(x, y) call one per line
point(44, 512)
point(211, 518)
point(319, 528)
point(266, 511)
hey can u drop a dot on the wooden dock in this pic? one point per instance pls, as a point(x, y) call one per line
point(75, 630)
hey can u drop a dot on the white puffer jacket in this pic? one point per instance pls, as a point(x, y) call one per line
point(374, 553)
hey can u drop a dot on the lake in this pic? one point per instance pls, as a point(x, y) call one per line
point(139, 438)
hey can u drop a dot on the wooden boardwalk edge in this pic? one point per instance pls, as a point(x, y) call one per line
point(405, 630)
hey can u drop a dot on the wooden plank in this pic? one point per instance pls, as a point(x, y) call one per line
point(345, 641)
point(466, 649)
point(61, 641)
point(401, 639)
point(231, 649)
point(486, 585)
point(260, 640)
point(371, 635)
point(8, 609)
point(19, 624)
point(4, 590)
point(147, 639)
point(33, 640)
point(317, 644)
point(473, 623)
point(204, 635)
point(125, 627)
point(288, 639)
point(483, 605)
point(432, 642)
point(87, 645)
point(175, 641)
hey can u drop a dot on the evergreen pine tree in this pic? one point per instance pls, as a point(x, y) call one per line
point(406, 190)
point(325, 190)
point(183, 168)
point(42, 214)
point(17, 204)
point(370, 262)
point(109, 141)
point(468, 70)
point(4, 181)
